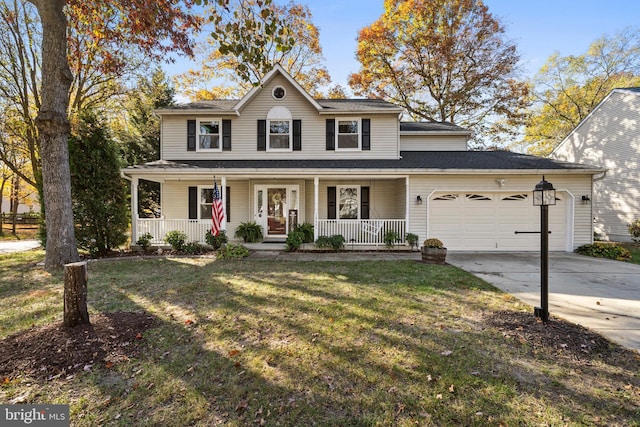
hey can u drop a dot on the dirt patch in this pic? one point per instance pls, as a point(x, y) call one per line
point(564, 338)
point(52, 351)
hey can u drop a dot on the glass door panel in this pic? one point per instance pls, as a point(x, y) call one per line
point(277, 211)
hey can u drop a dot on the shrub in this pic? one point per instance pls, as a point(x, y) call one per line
point(604, 250)
point(634, 230)
point(193, 248)
point(145, 241)
point(249, 231)
point(232, 251)
point(390, 238)
point(216, 241)
point(307, 230)
point(176, 239)
point(335, 242)
point(294, 241)
point(433, 243)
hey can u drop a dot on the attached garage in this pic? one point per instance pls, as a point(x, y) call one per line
point(487, 221)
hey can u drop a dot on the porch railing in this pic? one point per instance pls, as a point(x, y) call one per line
point(362, 232)
point(195, 229)
point(369, 232)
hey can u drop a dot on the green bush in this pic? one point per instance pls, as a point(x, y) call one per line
point(390, 238)
point(249, 231)
point(412, 240)
point(232, 251)
point(216, 241)
point(335, 242)
point(604, 250)
point(294, 241)
point(634, 230)
point(176, 239)
point(193, 248)
point(145, 241)
point(307, 230)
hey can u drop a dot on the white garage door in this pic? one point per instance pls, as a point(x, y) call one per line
point(488, 221)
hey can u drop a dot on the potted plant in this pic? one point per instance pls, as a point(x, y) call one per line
point(412, 240)
point(250, 232)
point(433, 251)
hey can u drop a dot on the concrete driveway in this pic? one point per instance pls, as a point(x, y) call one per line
point(602, 295)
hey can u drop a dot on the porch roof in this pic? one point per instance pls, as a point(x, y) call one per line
point(409, 161)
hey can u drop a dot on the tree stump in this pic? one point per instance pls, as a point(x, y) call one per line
point(75, 294)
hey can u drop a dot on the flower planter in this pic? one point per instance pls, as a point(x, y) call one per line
point(433, 255)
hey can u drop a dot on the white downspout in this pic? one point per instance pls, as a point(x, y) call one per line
point(316, 194)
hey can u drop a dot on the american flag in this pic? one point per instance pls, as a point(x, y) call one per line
point(217, 212)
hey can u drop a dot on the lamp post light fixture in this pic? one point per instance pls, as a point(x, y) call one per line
point(544, 195)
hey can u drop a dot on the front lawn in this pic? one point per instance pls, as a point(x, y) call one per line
point(255, 342)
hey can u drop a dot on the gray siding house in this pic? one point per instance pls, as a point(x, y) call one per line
point(610, 137)
point(350, 167)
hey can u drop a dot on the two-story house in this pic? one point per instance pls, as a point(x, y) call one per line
point(350, 167)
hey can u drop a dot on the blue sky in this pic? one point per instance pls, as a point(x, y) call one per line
point(538, 27)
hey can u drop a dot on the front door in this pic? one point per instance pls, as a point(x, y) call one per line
point(273, 206)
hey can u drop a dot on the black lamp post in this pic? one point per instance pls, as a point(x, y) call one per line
point(544, 195)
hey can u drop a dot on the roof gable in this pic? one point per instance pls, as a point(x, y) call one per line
point(278, 69)
point(627, 91)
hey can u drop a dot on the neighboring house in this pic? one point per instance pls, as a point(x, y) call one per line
point(350, 167)
point(610, 137)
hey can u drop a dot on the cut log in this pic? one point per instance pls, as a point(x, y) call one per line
point(75, 294)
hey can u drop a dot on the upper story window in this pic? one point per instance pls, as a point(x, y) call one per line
point(348, 135)
point(279, 129)
point(209, 134)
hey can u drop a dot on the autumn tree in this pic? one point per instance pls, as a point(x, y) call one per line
point(443, 60)
point(228, 72)
point(567, 89)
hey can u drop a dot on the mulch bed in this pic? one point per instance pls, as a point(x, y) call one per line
point(558, 335)
point(52, 351)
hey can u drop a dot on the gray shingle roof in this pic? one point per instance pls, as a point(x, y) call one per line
point(355, 105)
point(430, 127)
point(410, 160)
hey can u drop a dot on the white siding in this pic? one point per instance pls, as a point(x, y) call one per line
point(610, 138)
point(384, 131)
point(433, 143)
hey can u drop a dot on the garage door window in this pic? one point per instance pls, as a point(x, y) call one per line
point(516, 197)
point(447, 197)
point(477, 197)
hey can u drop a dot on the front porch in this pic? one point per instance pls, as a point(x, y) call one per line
point(357, 233)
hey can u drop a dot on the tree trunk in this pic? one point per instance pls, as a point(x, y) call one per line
point(53, 127)
point(75, 294)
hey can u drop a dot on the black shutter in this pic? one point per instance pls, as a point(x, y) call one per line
point(193, 202)
point(297, 135)
point(262, 135)
point(226, 135)
point(191, 135)
point(331, 202)
point(227, 203)
point(364, 202)
point(331, 134)
point(366, 134)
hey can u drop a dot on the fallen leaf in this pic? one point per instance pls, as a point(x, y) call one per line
point(188, 322)
point(244, 404)
point(446, 353)
point(439, 396)
point(598, 302)
point(139, 336)
point(452, 388)
point(6, 380)
point(108, 365)
point(234, 352)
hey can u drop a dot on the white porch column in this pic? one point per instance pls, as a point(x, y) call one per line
point(408, 197)
point(223, 191)
point(134, 210)
point(316, 192)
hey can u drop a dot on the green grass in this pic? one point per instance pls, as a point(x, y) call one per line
point(313, 343)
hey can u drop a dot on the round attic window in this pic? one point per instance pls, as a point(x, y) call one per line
point(279, 92)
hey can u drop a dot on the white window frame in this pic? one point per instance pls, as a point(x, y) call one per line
point(339, 189)
point(198, 134)
point(289, 147)
point(201, 188)
point(358, 120)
